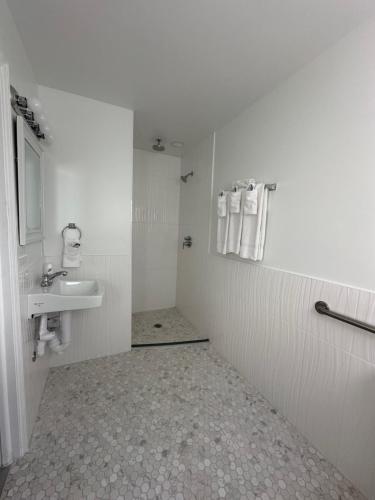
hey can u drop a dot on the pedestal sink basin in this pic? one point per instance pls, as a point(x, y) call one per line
point(65, 295)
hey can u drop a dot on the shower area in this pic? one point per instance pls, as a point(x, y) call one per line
point(157, 239)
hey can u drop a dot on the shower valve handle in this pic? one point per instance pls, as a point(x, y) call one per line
point(188, 241)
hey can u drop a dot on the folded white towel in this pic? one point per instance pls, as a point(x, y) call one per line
point(235, 202)
point(235, 222)
point(222, 204)
point(71, 248)
point(251, 201)
point(254, 228)
point(222, 228)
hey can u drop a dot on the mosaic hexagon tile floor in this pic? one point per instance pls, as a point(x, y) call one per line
point(171, 326)
point(166, 423)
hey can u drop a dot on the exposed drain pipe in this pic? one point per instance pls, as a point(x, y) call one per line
point(44, 335)
point(57, 343)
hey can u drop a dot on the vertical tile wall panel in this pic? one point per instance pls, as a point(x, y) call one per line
point(104, 330)
point(30, 263)
point(320, 373)
point(156, 194)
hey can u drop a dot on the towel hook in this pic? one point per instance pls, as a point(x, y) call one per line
point(72, 225)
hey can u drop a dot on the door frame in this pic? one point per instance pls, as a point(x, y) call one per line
point(13, 435)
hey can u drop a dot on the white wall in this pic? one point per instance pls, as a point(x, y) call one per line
point(156, 193)
point(89, 182)
point(29, 257)
point(314, 136)
point(13, 53)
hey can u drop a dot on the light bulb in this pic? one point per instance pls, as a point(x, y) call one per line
point(42, 118)
point(49, 138)
point(45, 128)
point(35, 105)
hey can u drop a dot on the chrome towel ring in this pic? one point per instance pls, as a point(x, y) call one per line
point(72, 225)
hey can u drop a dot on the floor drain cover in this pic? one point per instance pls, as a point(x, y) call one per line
point(158, 325)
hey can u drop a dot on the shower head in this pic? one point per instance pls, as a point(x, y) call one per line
point(158, 146)
point(184, 178)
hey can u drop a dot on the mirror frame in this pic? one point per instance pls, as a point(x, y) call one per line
point(24, 134)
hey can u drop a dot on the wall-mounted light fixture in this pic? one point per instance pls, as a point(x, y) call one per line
point(32, 111)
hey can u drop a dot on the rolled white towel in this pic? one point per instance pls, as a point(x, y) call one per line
point(71, 248)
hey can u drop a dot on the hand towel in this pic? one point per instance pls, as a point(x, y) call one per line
point(222, 204)
point(71, 248)
point(263, 223)
point(251, 201)
point(254, 228)
point(235, 202)
point(235, 222)
point(222, 228)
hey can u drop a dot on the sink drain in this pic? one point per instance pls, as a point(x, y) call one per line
point(158, 325)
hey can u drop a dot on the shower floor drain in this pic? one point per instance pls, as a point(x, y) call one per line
point(158, 325)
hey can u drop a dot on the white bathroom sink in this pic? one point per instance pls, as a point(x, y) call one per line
point(65, 295)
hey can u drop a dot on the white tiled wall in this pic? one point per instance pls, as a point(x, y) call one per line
point(320, 373)
point(156, 192)
point(104, 330)
point(30, 264)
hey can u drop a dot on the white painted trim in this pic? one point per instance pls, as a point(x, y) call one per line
point(14, 440)
point(5, 433)
point(26, 136)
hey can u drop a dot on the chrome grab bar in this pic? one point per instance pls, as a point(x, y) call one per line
point(322, 308)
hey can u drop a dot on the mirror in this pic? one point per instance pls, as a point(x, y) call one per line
point(30, 189)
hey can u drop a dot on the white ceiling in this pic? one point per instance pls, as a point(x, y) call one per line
point(185, 66)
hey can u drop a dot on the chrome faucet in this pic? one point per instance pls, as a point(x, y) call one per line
point(47, 279)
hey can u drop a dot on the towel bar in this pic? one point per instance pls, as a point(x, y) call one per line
point(270, 187)
point(322, 308)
